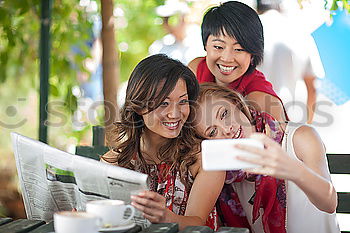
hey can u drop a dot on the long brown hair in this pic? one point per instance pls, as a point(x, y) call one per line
point(214, 90)
point(152, 80)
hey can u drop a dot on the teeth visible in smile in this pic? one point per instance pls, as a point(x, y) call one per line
point(171, 124)
point(226, 68)
point(237, 133)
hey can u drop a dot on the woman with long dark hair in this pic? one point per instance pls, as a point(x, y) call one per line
point(154, 137)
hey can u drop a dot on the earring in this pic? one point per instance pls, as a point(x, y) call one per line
point(251, 61)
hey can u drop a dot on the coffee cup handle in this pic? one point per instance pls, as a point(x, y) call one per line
point(131, 214)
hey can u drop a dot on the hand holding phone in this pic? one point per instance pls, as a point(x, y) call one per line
point(219, 154)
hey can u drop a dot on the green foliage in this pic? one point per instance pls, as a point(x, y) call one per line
point(336, 3)
point(19, 64)
point(19, 43)
point(70, 27)
point(20, 36)
point(139, 33)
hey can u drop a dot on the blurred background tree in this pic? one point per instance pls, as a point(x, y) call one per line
point(137, 26)
point(336, 3)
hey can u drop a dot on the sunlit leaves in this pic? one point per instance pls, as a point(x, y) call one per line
point(343, 4)
point(70, 31)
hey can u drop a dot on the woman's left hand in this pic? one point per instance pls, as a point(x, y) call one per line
point(152, 205)
point(273, 160)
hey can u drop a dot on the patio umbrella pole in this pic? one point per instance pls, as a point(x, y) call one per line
point(46, 6)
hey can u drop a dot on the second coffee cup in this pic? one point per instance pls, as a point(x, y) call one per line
point(111, 212)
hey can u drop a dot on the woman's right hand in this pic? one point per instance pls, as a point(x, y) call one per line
point(152, 205)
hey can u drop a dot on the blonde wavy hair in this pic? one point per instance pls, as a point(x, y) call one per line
point(214, 90)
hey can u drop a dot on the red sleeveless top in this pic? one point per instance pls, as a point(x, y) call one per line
point(246, 84)
point(175, 192)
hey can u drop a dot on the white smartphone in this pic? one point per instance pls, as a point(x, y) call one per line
point(219, 154)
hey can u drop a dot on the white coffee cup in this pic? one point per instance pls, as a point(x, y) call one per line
point(111, 212)
point(76, 222)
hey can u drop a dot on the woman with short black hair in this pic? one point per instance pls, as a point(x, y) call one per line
point(232, 35)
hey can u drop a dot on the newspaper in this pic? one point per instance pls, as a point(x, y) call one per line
point(52, 180)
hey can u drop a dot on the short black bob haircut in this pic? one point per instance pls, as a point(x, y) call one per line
point(240, 22)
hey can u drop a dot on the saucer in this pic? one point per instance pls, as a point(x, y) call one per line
point(118, 228)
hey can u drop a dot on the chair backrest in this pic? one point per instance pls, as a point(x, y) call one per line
point(340, 164)
point(98, 147)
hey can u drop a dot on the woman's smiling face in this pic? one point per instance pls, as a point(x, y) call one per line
point(218, 118)
point(168, 119)
point(226, 59)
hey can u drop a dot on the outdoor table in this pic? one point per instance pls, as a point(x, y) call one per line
point(7, 225)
